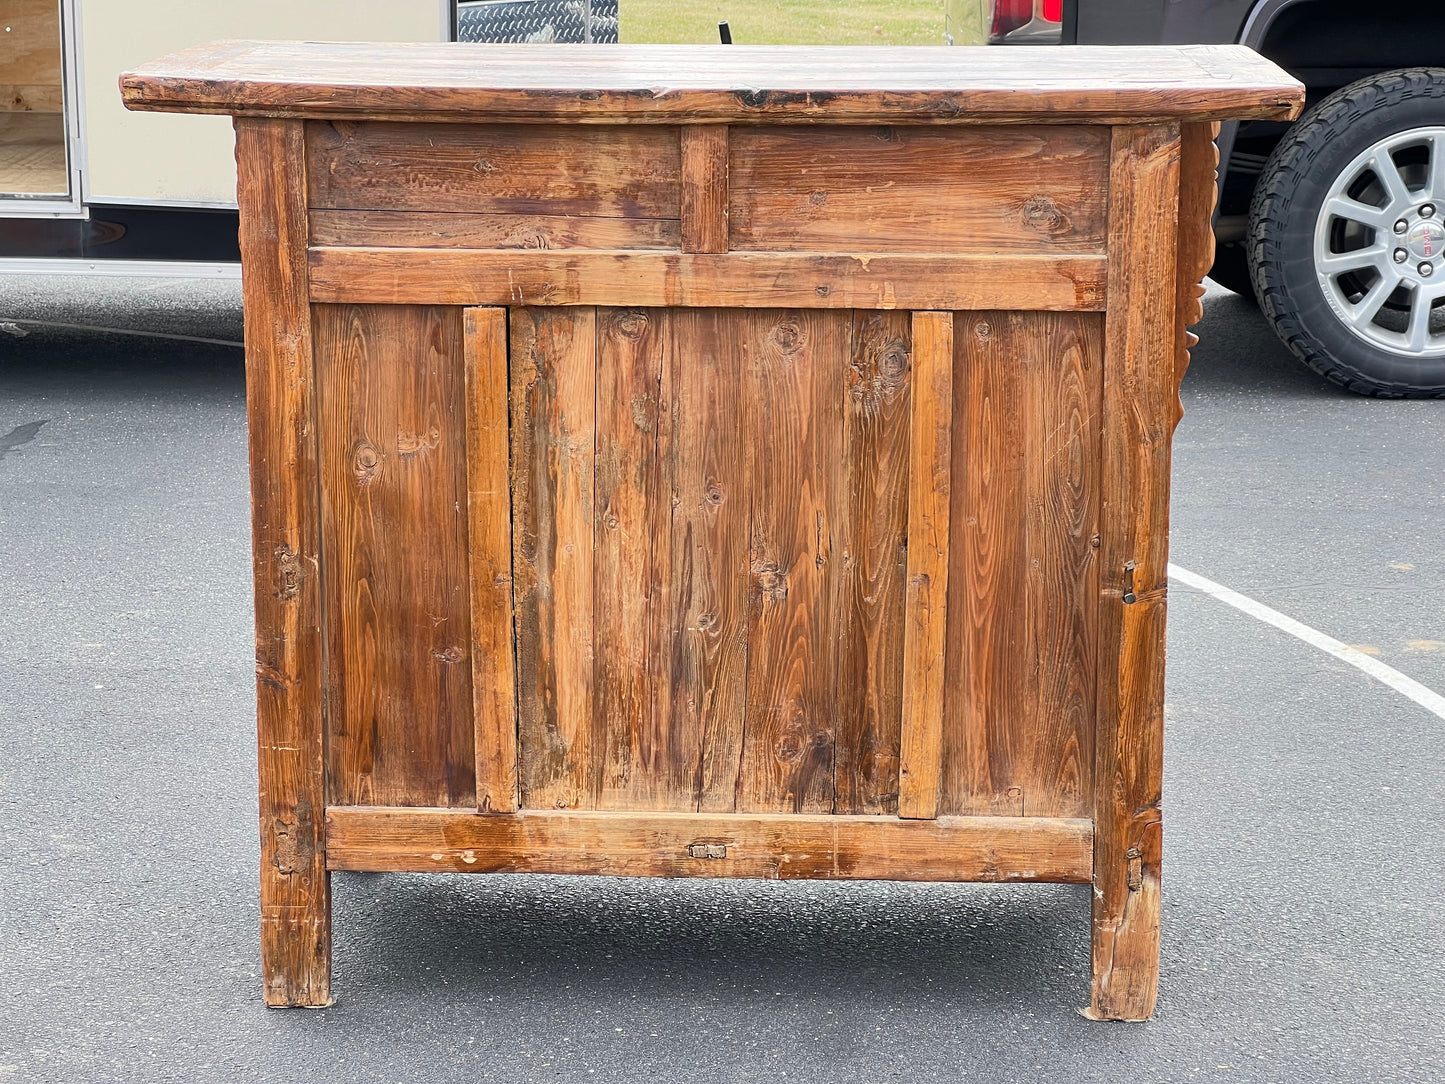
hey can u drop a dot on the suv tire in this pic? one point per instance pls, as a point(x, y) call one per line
point(1351, 293)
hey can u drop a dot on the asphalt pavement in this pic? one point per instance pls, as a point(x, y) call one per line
point(1304, 888)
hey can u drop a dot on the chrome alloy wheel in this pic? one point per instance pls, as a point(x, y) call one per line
point(1379, 247)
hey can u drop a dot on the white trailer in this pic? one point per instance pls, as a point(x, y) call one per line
point(83, 179)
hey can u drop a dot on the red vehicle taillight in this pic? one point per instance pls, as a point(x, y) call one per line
point(1028, 22)
point(1008, 16)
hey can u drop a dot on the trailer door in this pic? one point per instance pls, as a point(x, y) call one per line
point(36, 168)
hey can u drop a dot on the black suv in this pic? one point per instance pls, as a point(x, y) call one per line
point(1335, 223)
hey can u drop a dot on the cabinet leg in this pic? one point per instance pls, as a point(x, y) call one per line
point(295, 916)
point(286, 550)
point(1139, 410)
point(1126, 934)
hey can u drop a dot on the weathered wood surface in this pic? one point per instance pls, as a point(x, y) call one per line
point(777, 847)
point(747, 523)
point(839, 554)
point(1139, 403)
point(456, 229)
point(643, 753)
point(874, 478)
point(909, 189)
point(394, 520)
point(793, 398)
point(631, 172)
point(929, 539)
point(662, 83)
point(489, 541)
point(400, 276)
point(554, 433)
point(1019, 701)
point(281, 409)
point(705, 187)
point(701, 606)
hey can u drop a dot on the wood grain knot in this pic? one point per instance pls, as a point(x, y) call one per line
point(894, 362)
point(757, 99)
point(787, 337)
point(1043, 215)
point(982, 329)
point(817, 197)
point(630, 324)
point(526, 237)
point(450, 655)
point(792, 746)
point(365, 463)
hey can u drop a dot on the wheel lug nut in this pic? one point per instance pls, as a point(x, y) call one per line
point(1401, 226)
point(1401, 255)
point(1426, 270)
point(1427, 210)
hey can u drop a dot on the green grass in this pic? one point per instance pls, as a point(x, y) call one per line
point(785, 22)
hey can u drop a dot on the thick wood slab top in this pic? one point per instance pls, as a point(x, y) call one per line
point(739, 84)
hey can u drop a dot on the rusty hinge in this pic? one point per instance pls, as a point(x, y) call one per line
point(707, 850)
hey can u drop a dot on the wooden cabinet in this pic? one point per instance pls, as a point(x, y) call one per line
point(716, 462)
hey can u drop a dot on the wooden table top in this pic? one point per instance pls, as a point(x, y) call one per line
point(737, 84)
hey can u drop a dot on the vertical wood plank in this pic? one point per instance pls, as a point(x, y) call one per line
point(553, 438)
point(874, 547)
point(704, 187)
point(401, 720)
point(701, 606)
point(795, 430)
point(489, 534)
point(929, 536)
point(639, 766)
point(1056, 778)
point(993, 696)
point(1139, 401)
point(286, 554)
point(1019, 704)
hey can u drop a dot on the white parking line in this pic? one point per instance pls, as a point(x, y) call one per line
point(1428, 699)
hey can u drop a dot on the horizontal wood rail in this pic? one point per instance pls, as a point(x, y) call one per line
point(772, 846)
point(416, 276)
point(660, 83)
